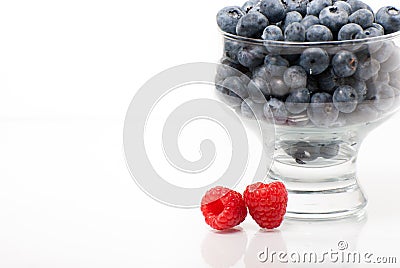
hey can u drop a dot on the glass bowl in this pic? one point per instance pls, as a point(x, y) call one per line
point(316, 143)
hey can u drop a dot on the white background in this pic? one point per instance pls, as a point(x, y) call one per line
point(68, 71)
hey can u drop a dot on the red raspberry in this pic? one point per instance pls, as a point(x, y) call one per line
point(223, 208)
point(266, 203)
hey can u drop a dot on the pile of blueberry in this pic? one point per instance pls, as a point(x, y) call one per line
point(301, 81)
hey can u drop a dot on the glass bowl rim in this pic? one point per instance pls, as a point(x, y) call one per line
point(286, 44)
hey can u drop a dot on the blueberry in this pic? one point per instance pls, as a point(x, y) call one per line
point(273, 33)
point(235, 85)
point(312, 84)
point(314, 60)
point(233, 94)
point(382, 77)
point(343, 5)
point(329, 150)
point(327, 81)
point(218, 80)
point(362, 17)
point(358, 4)
point(344, 63)
point(292, 16)
point(224, 71)
point(252, 25)
point(373, 32)
point(297, 5)
point(395, 75)
point(231, 49)
point(274, 10)
point(229, 97)
point(321, 110)
point(367, 69)
point(246, 78)
point(395, 79)
point(382, 96)
point(278, 87)
point(373, 78)
point(276, 65)
point(251, 109)
point(258, 88)
point(228, 68)
point(292, 57)
point(316, 6)
point(345, 99)
point(385, 51)
point(250, 5)
point(261, 72)
point(228, 18)
point(277, 109)
point(303, 152)
point(318, 33)
point(363, 55)
point(363, 113)
point(393, 63)
point(351, 31)
point(358, 85)
point(295, 77)
point(298, 100)
point(389, 18)
point(295, 32)
point(251, 56)
point(333, 17)
point(309, 21)
point(379, 27)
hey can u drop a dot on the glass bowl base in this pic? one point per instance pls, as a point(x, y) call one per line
point(318, 168)
point(329, 199)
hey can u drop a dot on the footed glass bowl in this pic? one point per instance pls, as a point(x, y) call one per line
point(320, 117)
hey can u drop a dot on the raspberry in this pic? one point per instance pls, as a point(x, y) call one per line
point(266, 203)
point(223, 208)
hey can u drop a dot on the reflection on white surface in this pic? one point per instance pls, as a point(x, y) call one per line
point(324, 236)
point(224, 249)
point(272, 239)
point(294, 236)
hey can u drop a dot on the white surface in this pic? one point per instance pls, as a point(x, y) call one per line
point(68, 71)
